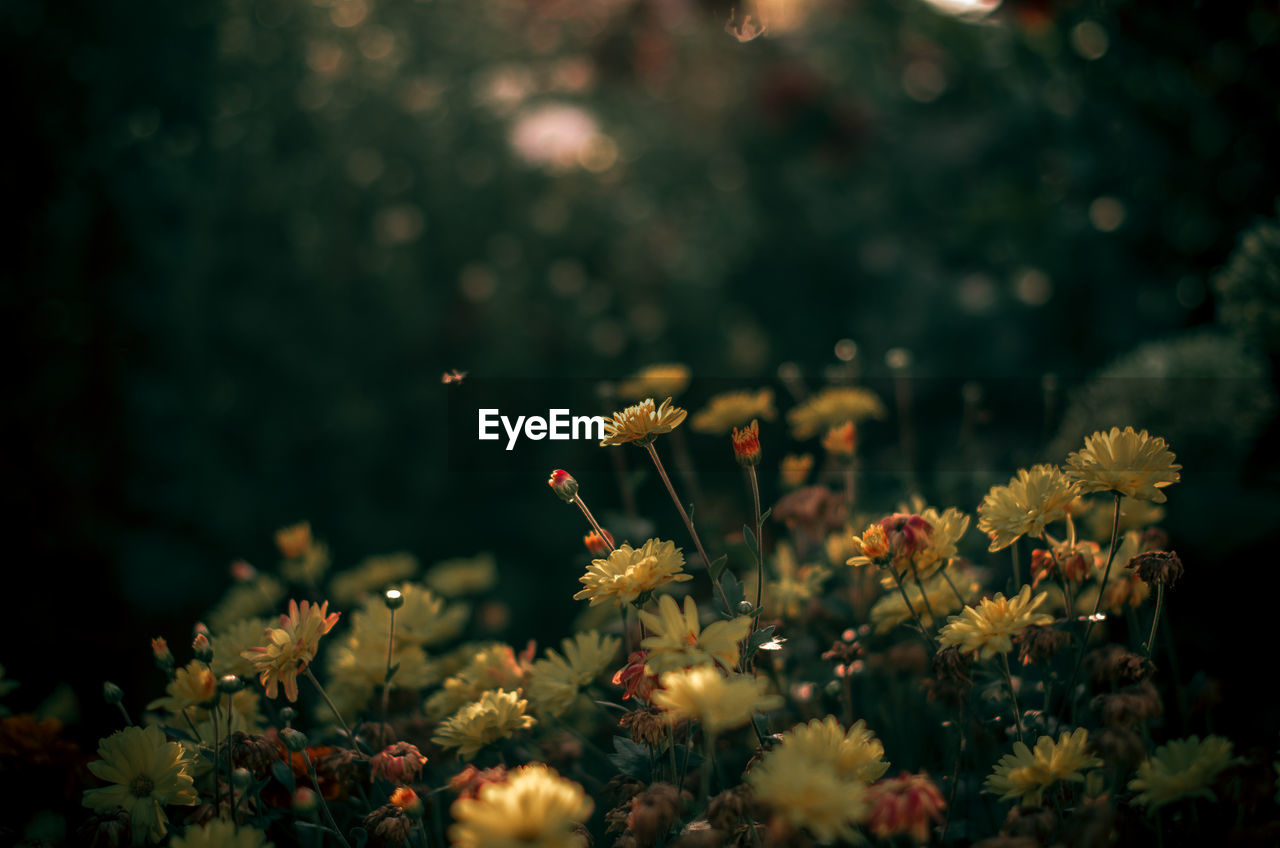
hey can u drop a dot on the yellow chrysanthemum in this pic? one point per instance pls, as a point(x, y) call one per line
point(989, 628)
point(554, 682)
point(533, 808)
point(706, 695)
point(831, 407)
point(490, 667)
point(891, 610)
point(496, 715)
point(733, 409)
point(193, 685)
point(794, 469)
point(677, 639)
point(1025, 774)
point(357, 668)
point(230, 644)
point(1137, 465)
point(290, 648)
point(666, 379)
point(423, 618)
point(374, 574)
point(146, 773)
point(627, 573)
point(251, 598)
point(642, 423)
point(1184, 768)
point(220, 833)
point(949, 526)
point(1032, 499)
point(853, 754)
point(809, 795)
point(1096, 517)
point(796, 584)
point(454, 578)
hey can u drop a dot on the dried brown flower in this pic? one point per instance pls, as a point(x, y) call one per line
point(1040, 644)
point(1157, 567)
point(1113, 665)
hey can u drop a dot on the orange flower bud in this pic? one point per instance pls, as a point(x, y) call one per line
point(746, 444)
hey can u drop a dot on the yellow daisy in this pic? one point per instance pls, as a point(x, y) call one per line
point(554, 682)
point(832, 407)
point(220, 833)
point(796, 584)
point(1130, 463)
point(230, 643)
point(1184, 768)
point(627, 573)
point(146, 773)
point(496, 715)
point(374, 574)
point(677, 638)
point(733, 409)
point(809, 795)
point(423, 618)
point(490, 667)
point(706, 695)
point(1032, 499)
point(853, 754)
point(463, 576)
point(642, 423)
point(794, 469)
point(1025, 774)
point(248, 599)
point(989, 628)
point(666, 379)
point(534, 807)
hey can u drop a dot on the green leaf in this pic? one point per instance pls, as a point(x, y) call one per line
point(284, 774)
point(359, 837)
point(630, 758)
point(718, 565)
point(749, 538)
point(764, 515)
point(391, 672)
point(733, 593)
point(764, 640)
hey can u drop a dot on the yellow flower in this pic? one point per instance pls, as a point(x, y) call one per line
point(666, 379)
point(809, 795)
point(254, 597)
point(677, 639)
point(374, 574)
point(1032, 499)
point(989, 628)
point(704, 694)
point(463, 576)
point(422, 619)
point(357, 667)
point(554, 682)
point(193, 685)
point(795, 469)
point(853, 754)
point(627, 573)
point(490, 667)
point(305, 559)
point(891, 610)
point(949, 527)
point(733, 409)
point(496, 715)
point(147, 773)
point(871, 548)
point(533, 808)
point(220, 833)
point(642, 423)
point(832, 407)
point(1025, 774)
point(841, 440)
point(230, 644)
point(1134, 464)
point(291, 647)
point(1184, 768)
point(796, 584)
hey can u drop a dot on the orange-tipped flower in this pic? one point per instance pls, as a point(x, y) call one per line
point(294, 540)
point(563, 484)
point(746, 444)
point(407, 800)
point(905, 805)
point(164, 657)
point(634, 679)
point(598, 545)
point(201, 648)
point(841, 440)
point(468, 782)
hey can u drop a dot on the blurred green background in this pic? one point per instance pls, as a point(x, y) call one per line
point(247, 238)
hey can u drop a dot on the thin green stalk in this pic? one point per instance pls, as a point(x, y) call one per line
point(217, 785)
point(911, 609)
point(1093, 619)
point(688, 523)
point(1008, 680)
point(351, 737)
point(591, 519)
point(1155, 621)
point(315, 781)
point(230, 785)
point(947, 577)
point(1017, 567)
point(386, 678)
point(755, 500)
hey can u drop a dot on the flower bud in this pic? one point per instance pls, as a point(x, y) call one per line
point(745, 608)
point(563, 484)
point(242, 572)
point(305, 802)
point(598, 545)
point(393, 598)
point(294, 740)
point(288, 714)
point(746, 444)
point(201, 649)
point(295, 540)
point(407, 800)
point(164, 657)
point(112, 693)
point(229, 684)
point(241, 778)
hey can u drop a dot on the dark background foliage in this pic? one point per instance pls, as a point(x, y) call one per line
point(246, 238)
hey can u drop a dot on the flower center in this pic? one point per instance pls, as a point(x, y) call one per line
point(142, 786)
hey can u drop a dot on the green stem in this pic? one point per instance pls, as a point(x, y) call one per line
point(1008, 680)
point(911, 609)
point(688, 523)
point(1017, 567)
point(1093, 619)
point(324, 806)
point(591, 519)
point(947, 577)
point(755, 499)
point(386, 678)
point(351, 737)
point(1155, 621)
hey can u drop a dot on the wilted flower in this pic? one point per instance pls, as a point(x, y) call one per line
point(732, 409)
point(496, 715)
point(990, 627)
point(468, 782)
point(1070, 562)
point(634, 678)
point(908, 804)
point(146, 773)
point(1157, 567)
point(291, 647)
point(677, 638)
point(1025, 774)
point(1184, 768)
point(642, 423)
point(627, 573)
point(1129, 463)
point(388, 825)
point(397, 763)
point(1040, 644)
point(704, 694)
point(534, 807)
point(1032, 499)
point(251, 751)
point(647, 727)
